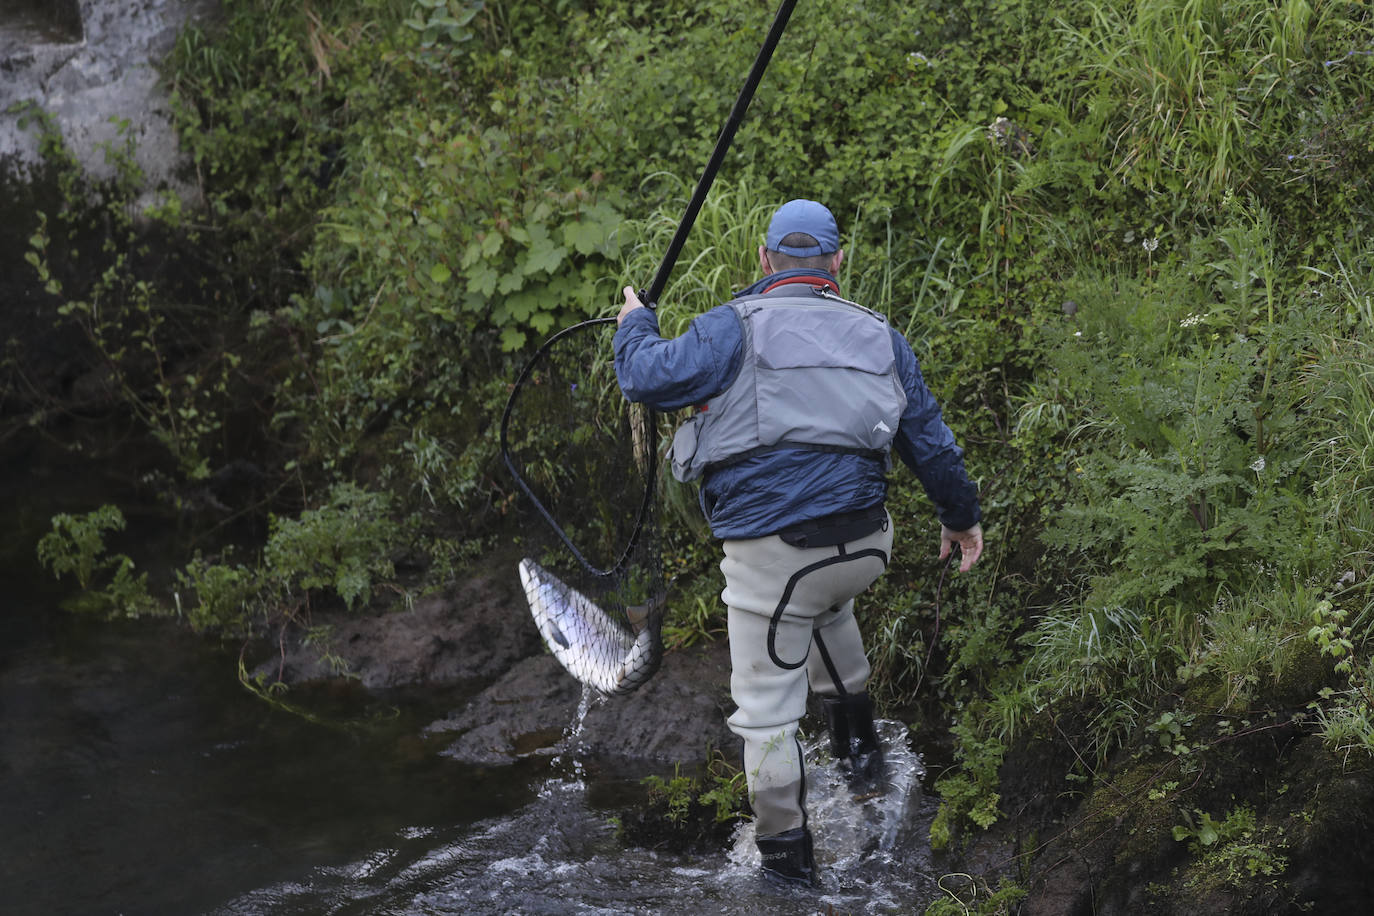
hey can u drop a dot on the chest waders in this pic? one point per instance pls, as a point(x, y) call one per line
point(790, 611)
point(816, 373)
point(849, 717)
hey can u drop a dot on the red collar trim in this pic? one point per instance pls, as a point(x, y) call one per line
point(812, 281)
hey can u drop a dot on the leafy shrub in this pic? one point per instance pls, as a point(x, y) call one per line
point(342, 548)
point(76, 546)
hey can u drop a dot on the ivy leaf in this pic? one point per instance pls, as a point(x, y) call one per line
point(523, 305)
point(491, 244)
point(482, 279)
point(542, 322)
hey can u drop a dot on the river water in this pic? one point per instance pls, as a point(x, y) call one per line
point(138, 777)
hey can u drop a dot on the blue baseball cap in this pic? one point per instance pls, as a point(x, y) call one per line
point(805, 216)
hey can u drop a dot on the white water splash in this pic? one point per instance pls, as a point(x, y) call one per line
point(852, 829)
point(560, 854)
point(574, 770)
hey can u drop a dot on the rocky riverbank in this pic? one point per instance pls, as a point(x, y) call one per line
point(1102, 848)
point(478, 634)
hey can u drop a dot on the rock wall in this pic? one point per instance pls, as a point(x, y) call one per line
point(93, 64)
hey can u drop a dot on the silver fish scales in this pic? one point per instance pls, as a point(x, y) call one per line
point(594, 647)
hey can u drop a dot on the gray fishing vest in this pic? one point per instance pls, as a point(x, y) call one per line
point(818, 372)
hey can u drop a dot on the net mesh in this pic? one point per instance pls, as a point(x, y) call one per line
point(585, 459)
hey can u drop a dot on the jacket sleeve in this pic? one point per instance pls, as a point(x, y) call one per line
point(926, 445)
point(669, 374)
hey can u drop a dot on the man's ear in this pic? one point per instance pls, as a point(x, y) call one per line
point(835, 268)
point(763, 260)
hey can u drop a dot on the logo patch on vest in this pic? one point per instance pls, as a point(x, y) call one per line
point(882, 426)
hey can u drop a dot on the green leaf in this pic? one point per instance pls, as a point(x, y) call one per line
point(440, 273)
point(584, 236)
point(482, 279)
point(523, 305)
point(543, 255)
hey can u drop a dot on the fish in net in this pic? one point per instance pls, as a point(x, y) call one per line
point(585, 459)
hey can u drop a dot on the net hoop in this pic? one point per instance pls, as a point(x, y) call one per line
point(650, 473)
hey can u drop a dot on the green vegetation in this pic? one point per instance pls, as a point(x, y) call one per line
point(685, 811)
point(1130, 242)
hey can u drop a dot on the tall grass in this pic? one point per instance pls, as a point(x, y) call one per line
point(1194, 80)
point(1215, 415)
point(1342, 386)
point(720, 256)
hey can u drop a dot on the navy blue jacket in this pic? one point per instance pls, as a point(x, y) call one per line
point(766, 493)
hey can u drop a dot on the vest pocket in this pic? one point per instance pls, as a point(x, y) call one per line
point(684, 450)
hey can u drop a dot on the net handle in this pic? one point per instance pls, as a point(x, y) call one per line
point(651, 446)
point(649, 297)
point(655, 289)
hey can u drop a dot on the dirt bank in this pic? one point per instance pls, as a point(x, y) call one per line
point(478, 635)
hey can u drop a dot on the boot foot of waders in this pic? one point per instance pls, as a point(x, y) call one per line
point(788, 857)
point(853, 742)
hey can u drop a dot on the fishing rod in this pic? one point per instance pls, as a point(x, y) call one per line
point(649, 296)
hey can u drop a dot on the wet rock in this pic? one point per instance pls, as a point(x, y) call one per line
point(676, 717)
point(471, 632)
point(479, 633)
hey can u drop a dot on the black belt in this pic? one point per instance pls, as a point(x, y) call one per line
point(840, 528)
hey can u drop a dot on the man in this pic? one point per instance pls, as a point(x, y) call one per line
point(800, 394)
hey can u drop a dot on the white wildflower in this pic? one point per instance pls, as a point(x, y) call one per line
point(1257, 465)
point(1191, 321)
point(1150, 244)
point(998, 131)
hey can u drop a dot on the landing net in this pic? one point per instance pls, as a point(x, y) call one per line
point(585, 460)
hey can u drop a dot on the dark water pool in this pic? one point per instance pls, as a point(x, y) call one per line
point(136, 777)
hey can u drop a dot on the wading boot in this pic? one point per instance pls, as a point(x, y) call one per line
point(788, 857)
point(853, 741)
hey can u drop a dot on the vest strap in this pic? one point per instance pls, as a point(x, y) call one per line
point(875, 454)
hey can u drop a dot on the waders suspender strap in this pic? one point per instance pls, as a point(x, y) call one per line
point(650, 296)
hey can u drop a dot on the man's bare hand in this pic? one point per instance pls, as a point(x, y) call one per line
point(631, 303)
point(970, 545)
